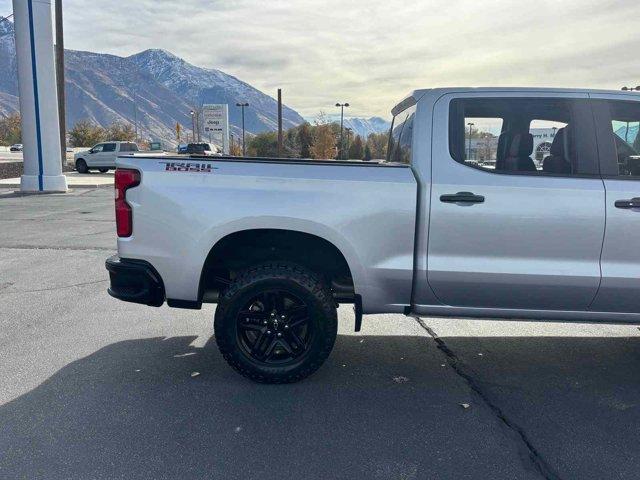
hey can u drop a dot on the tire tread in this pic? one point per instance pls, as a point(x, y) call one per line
point(282, 271)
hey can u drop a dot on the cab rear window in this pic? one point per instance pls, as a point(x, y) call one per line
point(128, 147)
point(401, 136)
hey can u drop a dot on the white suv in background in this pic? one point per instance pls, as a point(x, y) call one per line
point(102, 156)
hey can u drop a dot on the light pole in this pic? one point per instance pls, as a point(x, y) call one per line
point(341, 106)
point(348, 145)
point(470, 124)
point(193, 125)
point(135, 111)
point(242, 105)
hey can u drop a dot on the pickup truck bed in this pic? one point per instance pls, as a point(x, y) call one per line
point(184, 207)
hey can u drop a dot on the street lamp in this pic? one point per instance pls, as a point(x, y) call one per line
point(341, 106)
point(631, 89)
point(193, 125)
point(242, 105)
point(470, 124)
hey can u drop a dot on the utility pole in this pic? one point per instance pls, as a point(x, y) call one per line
point(135, 111)
point(193, 125)
point(242, 105)
point(62, 117)
point(280, 122)
point(341, 105)
point(470, 124)
point(198, 123)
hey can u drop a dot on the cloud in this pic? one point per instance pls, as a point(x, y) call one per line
point(372, 52)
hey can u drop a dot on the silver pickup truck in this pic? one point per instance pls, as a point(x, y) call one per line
point(501, 203)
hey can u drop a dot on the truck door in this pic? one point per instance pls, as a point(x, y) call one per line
point(108, 155)
point(617, 122)
point(93, 158)
point(517, 208)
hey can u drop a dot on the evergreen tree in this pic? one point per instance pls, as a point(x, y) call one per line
point(291, 143)
point(356, 149)
point(377, 143)
point(367, 152)
point(263, 145)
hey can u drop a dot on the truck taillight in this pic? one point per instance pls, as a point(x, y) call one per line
point(124, 179)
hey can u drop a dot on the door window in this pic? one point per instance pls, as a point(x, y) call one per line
point(109, 147)
point(543, 133)
point(530, 136)
point(625, 122)
point(97, 148)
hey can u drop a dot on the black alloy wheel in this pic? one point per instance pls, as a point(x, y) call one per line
point(274, 327)
point(276, 323)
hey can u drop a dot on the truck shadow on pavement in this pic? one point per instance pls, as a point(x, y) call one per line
point(382, 407)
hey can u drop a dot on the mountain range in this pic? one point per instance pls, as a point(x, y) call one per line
point(153, 89)
point(366, 126)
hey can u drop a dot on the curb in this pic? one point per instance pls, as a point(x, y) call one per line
point(84, 185)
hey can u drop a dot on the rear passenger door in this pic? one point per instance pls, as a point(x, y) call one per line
point(509, 229)
point(108, 155)
point(618, 122)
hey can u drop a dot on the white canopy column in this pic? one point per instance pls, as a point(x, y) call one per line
point(38, 97)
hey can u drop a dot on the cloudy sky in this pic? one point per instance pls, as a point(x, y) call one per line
point(372, 52)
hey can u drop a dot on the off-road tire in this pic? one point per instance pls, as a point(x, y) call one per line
point(81, 166)
point(321, 309)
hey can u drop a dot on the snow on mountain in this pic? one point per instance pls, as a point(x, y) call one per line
point(366, 126)
point(157, 87)
point(8, 66)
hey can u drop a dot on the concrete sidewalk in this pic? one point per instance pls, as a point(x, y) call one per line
point(74, 180)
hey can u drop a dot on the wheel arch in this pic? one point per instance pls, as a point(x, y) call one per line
point(334, 260)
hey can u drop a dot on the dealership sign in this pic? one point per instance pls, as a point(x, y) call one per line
point(216, 124)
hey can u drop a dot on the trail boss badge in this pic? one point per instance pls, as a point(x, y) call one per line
point(195, 167)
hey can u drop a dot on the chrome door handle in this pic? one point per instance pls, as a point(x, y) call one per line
point(633, 203)
point(462, 197)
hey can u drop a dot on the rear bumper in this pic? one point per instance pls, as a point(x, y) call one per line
point(135, 281)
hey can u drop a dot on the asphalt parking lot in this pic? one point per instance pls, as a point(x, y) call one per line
point(97, 388)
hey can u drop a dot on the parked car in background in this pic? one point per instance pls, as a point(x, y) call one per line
point(17, 147)
point(102, 156)
point(201, 149)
